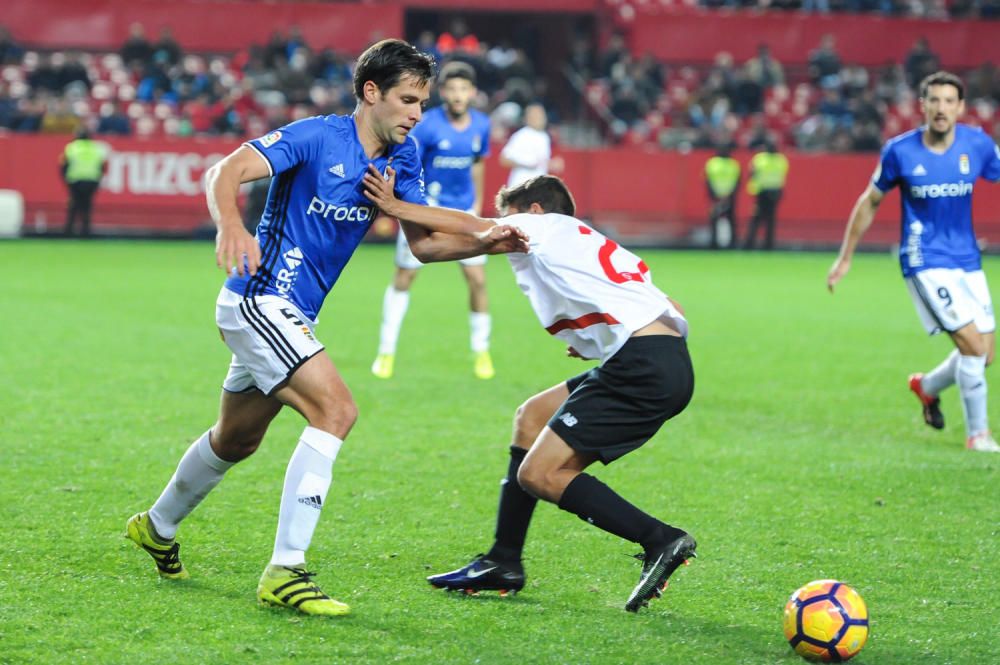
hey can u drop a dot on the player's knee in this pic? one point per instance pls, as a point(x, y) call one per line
point(344, 412)
point(476, 280)
point(976, 348)
point(536, 480)
point(236, 443)
point(349, 413)
point(403, 279)
point(336, 417)
point(530, 479)
point(528, 423)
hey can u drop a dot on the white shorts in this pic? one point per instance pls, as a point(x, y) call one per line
point(270, 338)
point(948, 299)
point(405, 258)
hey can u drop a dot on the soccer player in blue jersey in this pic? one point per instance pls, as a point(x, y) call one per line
point(936, 167)
point(315, 217)
point(453, 139)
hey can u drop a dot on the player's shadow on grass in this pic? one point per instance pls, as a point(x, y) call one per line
point(751, 643)
point(488, 598)
point(752, 646)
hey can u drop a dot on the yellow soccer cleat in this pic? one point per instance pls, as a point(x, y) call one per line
point(165, 553)
point(484, 366)
point(382, 367)
point(294, 588)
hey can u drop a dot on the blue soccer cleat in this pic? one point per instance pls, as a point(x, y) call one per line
point(481, 574)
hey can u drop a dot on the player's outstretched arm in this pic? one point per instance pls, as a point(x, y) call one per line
point(445, 220)
point(222, 185)
point(431, 246)
point(442, 234)
point(862, 217)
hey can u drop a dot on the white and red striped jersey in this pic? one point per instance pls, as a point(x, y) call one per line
point(585, 288)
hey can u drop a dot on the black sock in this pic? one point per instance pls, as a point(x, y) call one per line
point(593, 501)
point(513, 515)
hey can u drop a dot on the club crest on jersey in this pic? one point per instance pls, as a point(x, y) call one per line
point(270, 139)
point(477, 144)
point(444, 144)
point(963, 164)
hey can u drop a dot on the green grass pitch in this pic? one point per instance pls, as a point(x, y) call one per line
point(802, 456)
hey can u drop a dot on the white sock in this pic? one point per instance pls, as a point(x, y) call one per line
point(480, 326)
point(199, 470)
point(394, 305)
point(971, 380)
point(307, 480)
point(942, 376)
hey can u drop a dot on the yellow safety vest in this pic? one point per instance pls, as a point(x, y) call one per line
point(723, 174)
point(84, 160)
point(769, 170)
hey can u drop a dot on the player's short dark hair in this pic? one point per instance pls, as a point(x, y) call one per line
point(384, 63)
point(457, 69)
point(548, 191)
point(942, 78)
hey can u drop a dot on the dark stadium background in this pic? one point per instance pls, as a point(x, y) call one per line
point(634, 158)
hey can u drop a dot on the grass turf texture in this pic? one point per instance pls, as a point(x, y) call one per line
point(802, 456)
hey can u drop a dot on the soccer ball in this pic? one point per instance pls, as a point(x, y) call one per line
point(826, 621)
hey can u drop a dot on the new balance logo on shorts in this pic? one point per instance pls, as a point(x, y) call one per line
point(314, 501)
point(568, 419)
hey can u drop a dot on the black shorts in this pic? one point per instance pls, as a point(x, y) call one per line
point(615, 408)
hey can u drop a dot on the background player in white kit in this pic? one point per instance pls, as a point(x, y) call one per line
point(599, 298)
point(528, 151)
point(453, 139)
point(936, 167)
point(315, 217)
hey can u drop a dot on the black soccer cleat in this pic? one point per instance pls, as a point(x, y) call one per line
point(481, 574)
point(657, 567)
point(930, 404)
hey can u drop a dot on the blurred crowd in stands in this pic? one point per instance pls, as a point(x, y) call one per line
point(940, 9)
point(825, 105)
point(151, 87)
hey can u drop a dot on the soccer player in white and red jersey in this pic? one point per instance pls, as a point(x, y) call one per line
point(599, 298)
point(935, 167)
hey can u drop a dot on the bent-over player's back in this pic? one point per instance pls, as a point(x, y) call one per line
point(584, 287)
